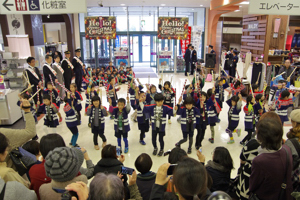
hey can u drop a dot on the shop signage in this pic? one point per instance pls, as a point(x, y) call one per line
point(271, 7)
point(100, 27)
point(172, 28)
point(42, 6)
point(253, 26)
point(1, 79)
point(184, 43)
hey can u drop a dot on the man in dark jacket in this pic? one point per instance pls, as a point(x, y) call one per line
point(188, 58)
point(194, 60)
point(77, 63)
point(288, 69)
point(68, 70)
point(146, 178)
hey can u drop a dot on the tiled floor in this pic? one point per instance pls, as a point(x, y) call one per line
point(173, 132)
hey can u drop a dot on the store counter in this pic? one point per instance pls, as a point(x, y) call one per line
point(9, 111)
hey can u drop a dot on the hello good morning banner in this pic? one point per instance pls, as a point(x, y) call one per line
point(173, 28)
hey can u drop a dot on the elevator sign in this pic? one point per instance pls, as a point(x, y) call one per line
point(43, 6)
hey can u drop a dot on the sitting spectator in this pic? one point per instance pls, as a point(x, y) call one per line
point(110, 187)
point(37, 172)
point(269, 168)
point(219, 169)
point(62, 165)
point(189, 179)
point(146, 178)
point(15, 190)
point(33, 147)
point(7, 173)
point(293, 142)
point(18, 137)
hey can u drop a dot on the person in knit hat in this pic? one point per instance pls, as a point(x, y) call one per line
point(294, 143)
point(62, 166)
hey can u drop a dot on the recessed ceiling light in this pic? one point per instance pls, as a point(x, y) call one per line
point(122, 4)
point(237, 11)
point(244, 2)
point(162, 4)
point(201, 5)
point(193, 9)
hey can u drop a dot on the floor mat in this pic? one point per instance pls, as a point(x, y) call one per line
point(146, 75)
point(142, 69)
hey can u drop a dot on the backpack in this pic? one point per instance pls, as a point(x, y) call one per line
point(22, 159)
point(208, 78)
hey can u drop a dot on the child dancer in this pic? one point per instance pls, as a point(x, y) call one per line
point(112, 92)
point(283, 103)
point(202, 120)
point(168, 95)
point(220, 86)
point(213, 109)
point(258, 107)
point(132, 91)
point(235, 104)
point(52, 91)
point(90, 93)
point(158, 113)
point(85, 81)
point(143, 119)
point(121, 122)
point(50, 110)
point(249, 119)
point(237, 87)
point(71, 120)
point(76, 101)
point(188, 121)
point(150, 95)
point(97, 113)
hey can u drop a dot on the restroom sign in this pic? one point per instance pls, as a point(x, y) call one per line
point(21, 5)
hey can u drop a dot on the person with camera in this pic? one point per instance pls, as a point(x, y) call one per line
point(18, 137)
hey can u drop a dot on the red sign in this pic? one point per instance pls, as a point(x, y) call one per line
point(1, 79)
point(184, 43)
point(21, 5)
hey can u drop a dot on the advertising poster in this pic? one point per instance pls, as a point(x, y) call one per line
point(184, 43)
point(100, 27)
point(173, 28)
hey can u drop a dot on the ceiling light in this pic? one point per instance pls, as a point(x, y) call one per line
point(244, 2)
point(237, 11)
point(122, 4)
point(162, 4)
point(240, 6)
point(193, 9)
point(201, 5)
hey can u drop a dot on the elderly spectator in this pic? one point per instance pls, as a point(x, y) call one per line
point(270, 168)
point(288, 69)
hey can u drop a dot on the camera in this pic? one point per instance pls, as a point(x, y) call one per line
point(67, 195)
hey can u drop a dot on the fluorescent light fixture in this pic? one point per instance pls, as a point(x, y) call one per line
point(237, 11)
point(122, 4)
point(245, 2)
point(201, 5)
point(162, 4)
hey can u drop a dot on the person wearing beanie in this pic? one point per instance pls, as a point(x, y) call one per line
point(62, 165)
point(294, 143)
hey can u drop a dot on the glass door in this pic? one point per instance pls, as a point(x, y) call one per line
point(146, 48)
point(136, 48)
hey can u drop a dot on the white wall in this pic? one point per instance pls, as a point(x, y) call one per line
point(56, 31)
point(229, 30)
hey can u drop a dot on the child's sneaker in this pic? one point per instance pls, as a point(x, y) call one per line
point(211, 140)
point(142, 142)
point(177, 145)
point(242, 143)
point(126, 150)
point(89, 125)
point(60, 120)
point(96, 147)
point(161, 152)
point(103, 144)
point(169, 121)
point(238, 131)
point(112, 117)
point(189, 150)
point(218, 120)
point(230, 142)
point(155, 151)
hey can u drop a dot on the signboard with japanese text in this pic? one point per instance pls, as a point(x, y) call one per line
point(172, 28)
point(253, 26)
point(184, 43)
point(271, 7)
point(100, 27)
point(42, 6)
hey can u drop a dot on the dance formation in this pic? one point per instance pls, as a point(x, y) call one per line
point(196, 109)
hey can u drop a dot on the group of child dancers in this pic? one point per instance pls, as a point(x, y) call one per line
point(195, 108)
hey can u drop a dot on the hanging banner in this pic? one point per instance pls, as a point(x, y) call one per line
point(184, 43)
point(100, 27)
point(172, 28)
point(270, 7)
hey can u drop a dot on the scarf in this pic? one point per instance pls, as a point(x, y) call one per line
point(69, 63)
